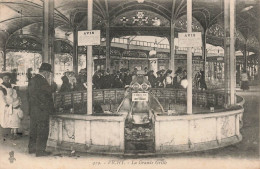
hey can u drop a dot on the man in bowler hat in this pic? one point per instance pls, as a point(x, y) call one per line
point(40, 107)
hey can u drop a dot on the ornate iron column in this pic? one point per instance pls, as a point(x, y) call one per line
point(48, 32)
point(245, 56)
point(75, 50)
point(227, 49)
point(229, 24)
point(89, 60)
point(4, 53)
point(107, 45)
point(172, 47)
point(204, 50)
point(232, 60)
point(189, 59)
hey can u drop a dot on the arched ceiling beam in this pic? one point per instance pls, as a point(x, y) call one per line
point(20, 3)
point(19, 18)
point(60, 14)
point(206, 15)
point(99, 8)
point(33, 3)
point(102, 8)
point(107, 11)
point(9, 4)
point(180, 9)
point(31, 23)
point(173, 9)
point(215, 19)
point(127, 6)
point(140, 7)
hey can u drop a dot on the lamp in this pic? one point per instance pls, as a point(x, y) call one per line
point(247, 8)
point(153, 52)
point(140, 1)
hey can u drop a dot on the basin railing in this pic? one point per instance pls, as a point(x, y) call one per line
point(109, 99)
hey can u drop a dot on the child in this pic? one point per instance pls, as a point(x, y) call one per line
point(16, 115)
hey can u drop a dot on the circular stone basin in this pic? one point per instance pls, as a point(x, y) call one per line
point(105, 133)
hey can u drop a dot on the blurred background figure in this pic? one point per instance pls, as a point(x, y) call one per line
point(66, 86)
point(202, 81)
point(197, 80)
point(159, 80)
point(152, 78)
point(29, 74)
point(81, 80)
point(177, 78)
point(168, 79)
point(244, 80)
point(13, 77)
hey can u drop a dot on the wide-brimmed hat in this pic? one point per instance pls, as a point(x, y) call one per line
point(45, 67)
point(2, 74)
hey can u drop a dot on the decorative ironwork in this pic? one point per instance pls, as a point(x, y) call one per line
point(162, 55)
point(239, 36)
point(62, 47)
point(252, 41)
point(23, 43)
point(182, 25)
point(137, 54)
point(216, 30)
point(156, 21)
point(124, 20)
point(140, 18)
point(115, 52)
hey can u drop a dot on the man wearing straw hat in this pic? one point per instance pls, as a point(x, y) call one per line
point(40, 107)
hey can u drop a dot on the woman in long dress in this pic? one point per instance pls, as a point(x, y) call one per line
point(10, 111)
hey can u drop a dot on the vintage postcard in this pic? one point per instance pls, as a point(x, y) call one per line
point(139, 84)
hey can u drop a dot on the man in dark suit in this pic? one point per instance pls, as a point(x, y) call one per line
point(40, 107)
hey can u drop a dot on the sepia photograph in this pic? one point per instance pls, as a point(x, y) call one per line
point(138, 84)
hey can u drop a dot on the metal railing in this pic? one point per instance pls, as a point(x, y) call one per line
point(140, 43)
point(111, 98)
point(154, 45)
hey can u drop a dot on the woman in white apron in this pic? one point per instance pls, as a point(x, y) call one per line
point(10, 111)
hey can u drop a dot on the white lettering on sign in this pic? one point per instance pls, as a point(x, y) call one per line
point(192, 39)
point(89, 38)
point(139, 97)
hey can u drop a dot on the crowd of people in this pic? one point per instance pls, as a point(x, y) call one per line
point(104, 79)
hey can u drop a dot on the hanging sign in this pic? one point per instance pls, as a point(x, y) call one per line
point(137, 97)
point(89, 38)
point(192, 39)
